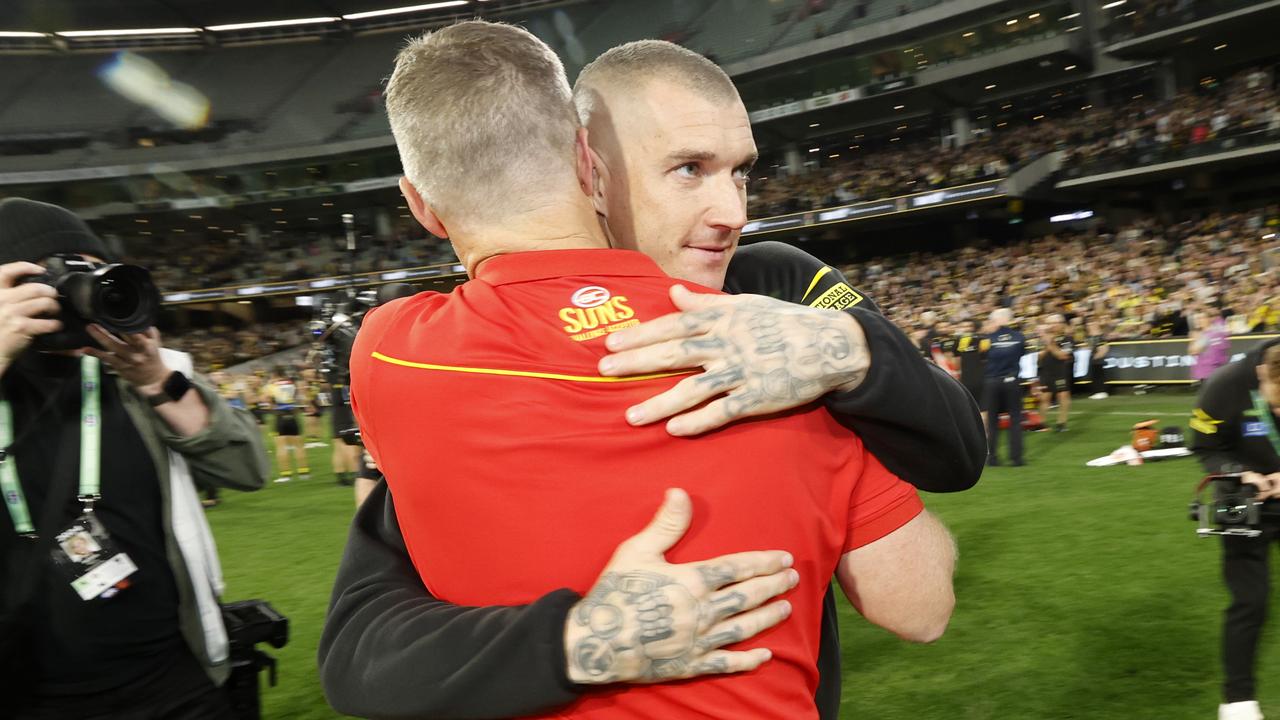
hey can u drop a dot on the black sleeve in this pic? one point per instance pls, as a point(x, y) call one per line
point(911, 414)
point(1215, 423)
point(391, 650)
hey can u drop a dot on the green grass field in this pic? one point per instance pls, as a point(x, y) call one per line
point(1082, 592)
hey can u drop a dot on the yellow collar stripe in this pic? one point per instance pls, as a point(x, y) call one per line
point(525, 373)
point(814, 283)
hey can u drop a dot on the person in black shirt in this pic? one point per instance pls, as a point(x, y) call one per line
point(971, 347)
point(1233, 430)
point(1002, 391)
point(1056, 361)
point(150, 643)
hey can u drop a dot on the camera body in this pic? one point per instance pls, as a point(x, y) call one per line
point(334, 329)
point(1232, 508)
point(248, 623)
point(120, 298)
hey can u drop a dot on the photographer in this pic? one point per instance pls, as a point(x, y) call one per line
point(109, 578)
point(1234, 431)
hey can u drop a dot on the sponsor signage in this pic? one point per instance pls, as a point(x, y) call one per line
point(1137, 362)
point(303, 286)
point(872, 208)
point(802, 106)
point(777, 111)
point(372, 183)
point(877, 88)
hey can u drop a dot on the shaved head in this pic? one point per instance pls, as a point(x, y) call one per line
point(635, 64)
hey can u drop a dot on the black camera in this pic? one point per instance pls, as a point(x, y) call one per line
point(248, 623)
point(334, 329)
point(120, 298)
point(1232, 509)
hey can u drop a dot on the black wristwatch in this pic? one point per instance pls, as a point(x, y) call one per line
point(175, 386)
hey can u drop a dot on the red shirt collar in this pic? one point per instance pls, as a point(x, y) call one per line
point(545, 264)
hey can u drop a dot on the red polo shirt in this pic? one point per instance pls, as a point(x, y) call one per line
point(515, 473)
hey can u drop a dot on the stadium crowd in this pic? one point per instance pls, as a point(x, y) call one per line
point(189, 262)
point(1140, 131)
point(1148, 279)
point(220, 347)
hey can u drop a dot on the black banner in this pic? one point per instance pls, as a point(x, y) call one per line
point(1147, 362)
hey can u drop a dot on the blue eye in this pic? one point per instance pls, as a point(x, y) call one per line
point(688, 170)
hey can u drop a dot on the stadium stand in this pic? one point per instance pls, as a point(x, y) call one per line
point(1143, 280)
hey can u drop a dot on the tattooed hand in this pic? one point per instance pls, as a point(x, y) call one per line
point(761, 355)
point(646, 620)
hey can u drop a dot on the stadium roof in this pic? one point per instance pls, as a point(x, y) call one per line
point(52, 16)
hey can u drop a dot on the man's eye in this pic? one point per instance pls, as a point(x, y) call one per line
point(743, 174)
point(688, 170)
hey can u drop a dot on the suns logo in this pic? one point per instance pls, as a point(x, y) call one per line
point(596, 312)
point(590, 296)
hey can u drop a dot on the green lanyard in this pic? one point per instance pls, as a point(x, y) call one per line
point(1263, 408)
point(90, 450)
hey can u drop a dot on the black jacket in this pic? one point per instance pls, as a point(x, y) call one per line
point(1226, 433)
point(391, 650)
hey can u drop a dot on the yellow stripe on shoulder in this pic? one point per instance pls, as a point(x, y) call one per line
point(524, 373)
point(814, 283)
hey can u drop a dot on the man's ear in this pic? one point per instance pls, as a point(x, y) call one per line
point(421, 210)
point(585, 163)
point(592, 173)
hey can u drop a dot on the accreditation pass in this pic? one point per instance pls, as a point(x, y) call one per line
point(88, 558)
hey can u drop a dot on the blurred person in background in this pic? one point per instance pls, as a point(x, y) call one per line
point(971, 347)
point(284, 400)
point(1210, 344)
point(312, 409)
point(147, 641)
point(1098, 350)
point(1056, 364)
point(1233, 431)
point(659, 186)
point(1002, 390)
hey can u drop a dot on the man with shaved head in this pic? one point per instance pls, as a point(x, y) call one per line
point(670, 151)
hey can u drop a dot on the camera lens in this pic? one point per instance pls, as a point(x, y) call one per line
point(118, 302)
point(123, 299)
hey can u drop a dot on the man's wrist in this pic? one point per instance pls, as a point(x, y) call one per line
point(859, 355)
point(152, 389)
point(574, 633)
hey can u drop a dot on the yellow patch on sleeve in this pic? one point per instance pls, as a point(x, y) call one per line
point(837, 297)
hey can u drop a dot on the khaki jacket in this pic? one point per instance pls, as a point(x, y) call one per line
point(228, 453)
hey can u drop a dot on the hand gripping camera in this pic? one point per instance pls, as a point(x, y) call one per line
point(120, 298)
point(1231, 508)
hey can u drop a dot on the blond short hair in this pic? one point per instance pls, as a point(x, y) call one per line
point(482, 116)
point(635, 63)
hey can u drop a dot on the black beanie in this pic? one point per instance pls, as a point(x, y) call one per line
point(32, 231)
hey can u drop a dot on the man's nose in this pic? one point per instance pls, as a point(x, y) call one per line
point(728, 205)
